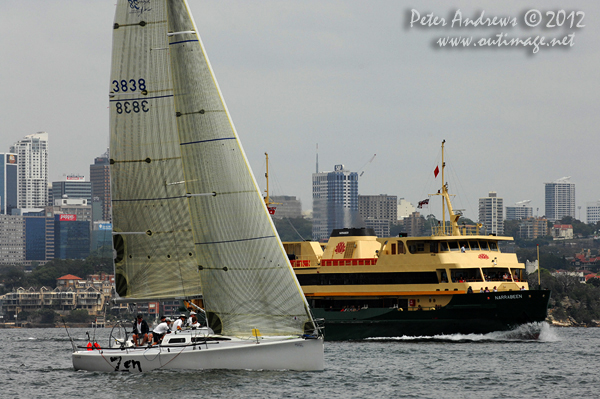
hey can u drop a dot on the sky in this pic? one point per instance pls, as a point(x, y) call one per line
point(351, 77)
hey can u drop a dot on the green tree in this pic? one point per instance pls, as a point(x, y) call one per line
point(294, 229)
point(511, 228)
point(13, 277)
point(78, 316)
point(46, 316)
point(594, 281)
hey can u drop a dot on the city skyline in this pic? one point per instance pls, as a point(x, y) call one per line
point(352, 78)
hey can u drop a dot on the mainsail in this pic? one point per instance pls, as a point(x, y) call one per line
point(188, 216)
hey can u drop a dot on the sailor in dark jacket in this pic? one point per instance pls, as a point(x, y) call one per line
point(140, 330)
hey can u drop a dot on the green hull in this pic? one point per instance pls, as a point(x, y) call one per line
point(465, 314)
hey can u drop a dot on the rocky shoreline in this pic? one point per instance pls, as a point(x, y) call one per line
point(571, 322)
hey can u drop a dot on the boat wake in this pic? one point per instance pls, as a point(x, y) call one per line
point(537, 332)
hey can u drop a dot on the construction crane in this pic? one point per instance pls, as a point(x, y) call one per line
point(365, 165)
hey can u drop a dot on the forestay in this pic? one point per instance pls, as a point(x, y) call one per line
point(187, 212)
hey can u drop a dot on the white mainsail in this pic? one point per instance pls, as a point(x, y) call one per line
point(188, 216)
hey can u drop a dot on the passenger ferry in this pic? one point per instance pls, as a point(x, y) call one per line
point(454, 281)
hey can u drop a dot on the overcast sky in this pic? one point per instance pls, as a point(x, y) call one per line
point(352, 76)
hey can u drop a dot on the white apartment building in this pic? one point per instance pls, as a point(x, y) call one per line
point(32, 160)
point(491, 212)
point(560, 199)
point(592, 212)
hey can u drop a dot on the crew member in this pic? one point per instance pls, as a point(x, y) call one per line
point(161, 330)
point(140, 330)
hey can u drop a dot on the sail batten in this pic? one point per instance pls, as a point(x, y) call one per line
point(179, 173)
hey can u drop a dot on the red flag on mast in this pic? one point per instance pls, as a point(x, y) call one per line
point(436, 171)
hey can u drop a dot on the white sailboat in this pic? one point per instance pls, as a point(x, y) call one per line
point(188, 217)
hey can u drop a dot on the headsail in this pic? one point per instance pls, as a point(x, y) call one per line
point(187, 211)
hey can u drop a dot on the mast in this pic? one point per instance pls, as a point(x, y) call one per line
point(455, 231)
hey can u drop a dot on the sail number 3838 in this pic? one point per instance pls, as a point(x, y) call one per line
point(130, 86)
point(125, 85)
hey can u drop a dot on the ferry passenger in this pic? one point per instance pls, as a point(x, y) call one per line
point(523, 288)
point(481, 290)
point(469, 290)
point(495, 290)
point(140, 330)
point(161, 330)
point(486, 289)
point(462, 249)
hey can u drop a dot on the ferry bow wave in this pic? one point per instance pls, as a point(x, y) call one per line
point(538, 331)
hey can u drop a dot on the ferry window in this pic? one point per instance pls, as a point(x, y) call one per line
point(401, 247)
point(517, 275)
point(393, 249)
point(453, 245)
point(484, 245)
point(443, 275)
point(433, 247)
point(497, 274)
point(368, 278)
point(416, 246)
point(465, 275)
point(493, 246)
point(463, 244)
point(444, 246)
point(474, 245)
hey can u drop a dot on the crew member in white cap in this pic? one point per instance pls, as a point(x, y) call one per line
point(189, 320)
point(161, 330)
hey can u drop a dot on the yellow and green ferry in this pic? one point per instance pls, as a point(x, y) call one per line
point(454, 281)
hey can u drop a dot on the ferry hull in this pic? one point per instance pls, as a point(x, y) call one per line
point(465, 314)
point(292, 354)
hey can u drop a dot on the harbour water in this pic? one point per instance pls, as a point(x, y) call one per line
point(562, 362)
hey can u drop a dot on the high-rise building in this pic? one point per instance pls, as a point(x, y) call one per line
point(71, 237)
point(12, 240)
point(101, 236)
point(592, 211)
point(491, 214)
point(378, 212)
point(8, 183)
point(32, 161)
point(414, 225)
point(100, 180)
point(560, 199)
point(73, 186)
point(519, 211)
point(405, 208)
point(335, 201)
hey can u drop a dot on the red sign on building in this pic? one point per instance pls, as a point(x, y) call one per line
point(66, 217)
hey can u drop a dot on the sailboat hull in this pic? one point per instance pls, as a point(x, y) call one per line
point(269, 354)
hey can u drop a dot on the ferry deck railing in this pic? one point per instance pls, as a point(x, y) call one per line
point(447, 231)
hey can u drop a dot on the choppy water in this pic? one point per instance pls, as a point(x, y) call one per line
point(36, 363)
